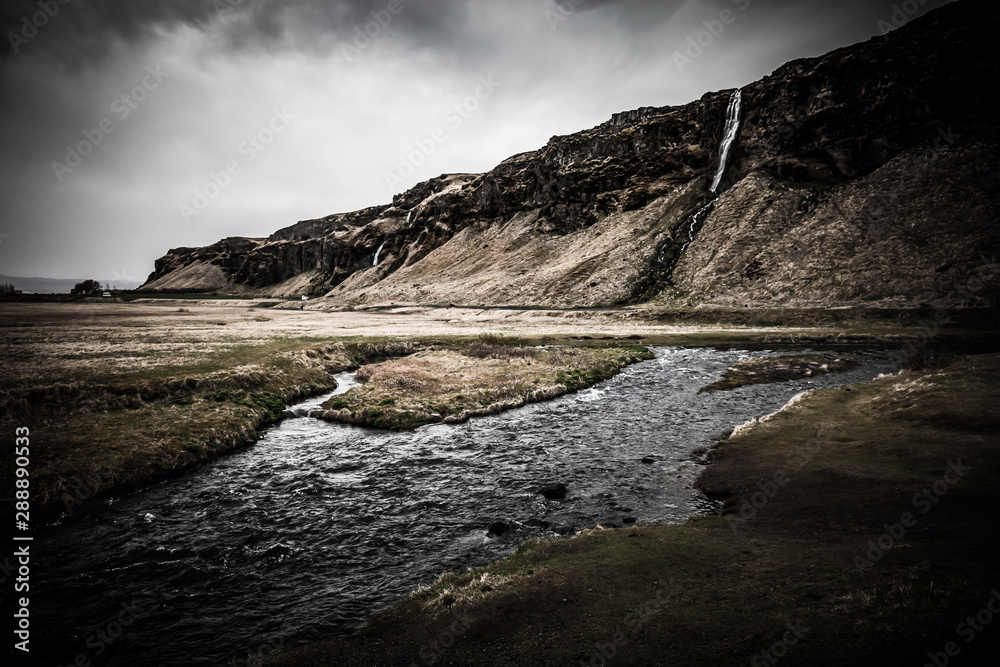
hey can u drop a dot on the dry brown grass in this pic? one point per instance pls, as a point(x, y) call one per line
point(46, 343)
point(452, 386)
point(493, 346)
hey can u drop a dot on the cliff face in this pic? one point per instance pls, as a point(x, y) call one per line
point(864, 176)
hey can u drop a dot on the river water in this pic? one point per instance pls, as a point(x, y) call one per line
point(316, 527)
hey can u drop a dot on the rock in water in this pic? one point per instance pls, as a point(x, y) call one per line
point(553, 491)
point(496, 529)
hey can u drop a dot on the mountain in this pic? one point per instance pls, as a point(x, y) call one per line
point(865, 176)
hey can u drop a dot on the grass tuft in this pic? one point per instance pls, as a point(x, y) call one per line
point(495, 346)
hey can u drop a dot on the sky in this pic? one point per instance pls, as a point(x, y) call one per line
point(130, 127)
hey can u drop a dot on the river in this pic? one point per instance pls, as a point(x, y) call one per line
point(317, 526)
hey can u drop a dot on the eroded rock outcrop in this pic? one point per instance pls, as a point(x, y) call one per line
point(864, 176)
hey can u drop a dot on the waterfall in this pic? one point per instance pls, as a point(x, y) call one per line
point(666, 258)
point(693, 222)
point(377, 253)
point(728, 139)
point(409, 217)
point(732, 126)
point(693, 225)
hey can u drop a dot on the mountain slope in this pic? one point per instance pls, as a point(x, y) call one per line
point(863, 176)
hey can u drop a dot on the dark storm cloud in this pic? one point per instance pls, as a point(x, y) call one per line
point(84, 30)
point(81, 30)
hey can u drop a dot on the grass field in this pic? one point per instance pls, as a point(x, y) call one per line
point(120, 395)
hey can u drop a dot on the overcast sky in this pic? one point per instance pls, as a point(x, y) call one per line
point(304, 108)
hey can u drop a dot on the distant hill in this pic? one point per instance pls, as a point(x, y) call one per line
point(867, 176)
point(58, 285)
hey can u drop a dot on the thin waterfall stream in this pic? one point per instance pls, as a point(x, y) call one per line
point(728, 137)
point(695, 220)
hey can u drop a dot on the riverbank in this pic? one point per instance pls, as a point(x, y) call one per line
point(857, 530)
point(487, 376)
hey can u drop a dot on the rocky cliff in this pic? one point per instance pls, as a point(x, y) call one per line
point(866, 176)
